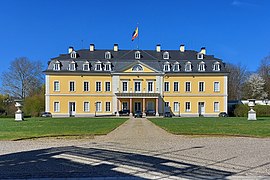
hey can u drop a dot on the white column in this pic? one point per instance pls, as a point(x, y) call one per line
point(143, 107)
point(130, 106)
point(157, 114)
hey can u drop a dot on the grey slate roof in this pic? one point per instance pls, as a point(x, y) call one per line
point(124, 58)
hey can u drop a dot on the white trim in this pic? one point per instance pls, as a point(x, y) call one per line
point(203, 86)
point(105, 87)
point(88, 86)
point(178, 86)
point(115, 88)
point(96, 86)
point(54, 86)
point(190, 89)
point(218, 86)
point(226, 94)
point(74, 85)
point(47, 91)
point(168, 86)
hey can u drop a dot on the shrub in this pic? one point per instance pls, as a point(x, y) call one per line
point(241, 110)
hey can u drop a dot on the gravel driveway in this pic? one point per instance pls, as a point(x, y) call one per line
point(137, 150)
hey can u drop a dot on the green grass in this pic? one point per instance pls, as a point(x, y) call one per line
point(51, 127)
point(233, 126)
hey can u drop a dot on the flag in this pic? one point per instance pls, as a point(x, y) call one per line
point(135, 33)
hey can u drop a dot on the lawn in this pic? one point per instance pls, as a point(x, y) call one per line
point(232, 126)
point(51, 127)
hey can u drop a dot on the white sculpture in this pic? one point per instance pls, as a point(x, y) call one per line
point(18, 113)
point(251, 112)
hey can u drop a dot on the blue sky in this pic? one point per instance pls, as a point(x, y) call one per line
point(237, 31)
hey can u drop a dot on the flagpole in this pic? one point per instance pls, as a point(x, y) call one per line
point(138, 42)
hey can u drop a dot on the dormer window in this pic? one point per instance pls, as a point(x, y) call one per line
point(137, 67)
point(86, 66)
point(73, 54)
point(98, 66)
point(199, 56)
point(56, 66)
point(188, 66)
point(201, 66)
point(216, 66)
point(166, 55)
point(107, 66)
point(176, 66)
point(166, 66)
point(137, 55)
point(72, 66)
point(107, 55)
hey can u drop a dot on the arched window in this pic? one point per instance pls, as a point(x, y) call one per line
point(199, 56)
point(72, 66)
point(166, 66)
point(98, 66)
point(201, 66)
point(86, 66)
point(188, 66)
point(56, 66)
point(166, 55)
point(176, 66)
point(216, 66)
point(73, 54)
point(107, 55)
point(137, 55)
point(137, 67)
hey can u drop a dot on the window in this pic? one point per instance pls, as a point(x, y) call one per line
point(216, 66)
point(124, 86)
point(107, 86)
point(137, 55)
point(107, 55)
point(86, 107)
point(86, 66)
point(176, 106)
point(187, 106)
point(137, 86)
point(108, 106)
point(200, 56)
point(166, 104)
point(56, 66)
point(150, 86)
point(107, 67)
point(188, 66)
point(166, 86)
point(125, 106)
point(201, 66)
point(98, 66)
point(201, 86)
point(56, 107)
point(73, 54)
point(188, 86)
point(56, 86)
point(175, 86)
point(137, 68)
point(216, 106)
point(85, 86)
point(98, 107)
point(166, 66)
point(176, 67)
point(71, 86)
point(72, 66)
point(98, 86)
point(166, 55)
point(216, 87)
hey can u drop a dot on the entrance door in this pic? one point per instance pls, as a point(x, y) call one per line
point(138, 106)
point(72, 109)
point(150, 105)
point(201, 108)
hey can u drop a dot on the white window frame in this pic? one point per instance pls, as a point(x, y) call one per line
point(123, 86)
point(86, 65)
point(187, 106)
point(98, 106)
point(137, 55)
point(216, 66)
point(166, 55)
point(98, 64)
point(176, 106)
point(187, 90)
point(56, 88)
point(72, 66)
point(106, 106)
point(73, 54)
point(216, 106)
point(56, 106)
point(107, 67)
point(86, 106)
point(174, 89)
point(106, 88)
point(200, 56)
point(88, 86)
point(218, 86)
point(201, 66)
point(72, 89)
point(56, 66)
point(140, 86)
point(188, 67)
point(152, 86)
point(178, 67)
point(107, 55)
point(98, 87)
point(201, 88)
point(166, 67)
point(167, 86)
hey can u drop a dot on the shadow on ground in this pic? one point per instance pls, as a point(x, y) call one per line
point(77, 162)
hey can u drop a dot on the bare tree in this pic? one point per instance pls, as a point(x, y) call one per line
point(22, 77)
point(264, 71)
point(236, 78)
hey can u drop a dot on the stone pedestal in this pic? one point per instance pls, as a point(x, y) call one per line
point(18, 113)
point(252, 115)
point(18, 116)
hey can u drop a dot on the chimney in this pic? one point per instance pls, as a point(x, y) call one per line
point(158, 48)
point(92, 47)
point(203, 50)
point(115, 47)
point(70, 49)
point(182, 48)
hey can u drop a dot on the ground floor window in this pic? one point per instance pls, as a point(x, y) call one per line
point(56, 107)
point(176, 107)
point(108, 106)
point(125, 106)
point(86, 107)
point(187, 106)
point(216, 106)
point(98, 106)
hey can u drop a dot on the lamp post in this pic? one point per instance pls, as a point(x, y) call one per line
point(95, 109)
point(251, 112)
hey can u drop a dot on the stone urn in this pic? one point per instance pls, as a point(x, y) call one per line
point(18, 113)
point(251, 112)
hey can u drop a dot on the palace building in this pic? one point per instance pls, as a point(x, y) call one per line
point(91, 82)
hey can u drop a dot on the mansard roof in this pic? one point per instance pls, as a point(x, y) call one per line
point(123, 58)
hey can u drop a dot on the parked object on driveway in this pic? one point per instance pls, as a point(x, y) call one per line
point(46, 114)
point(138, 114)
point(223, 114)
point(167, 114)
point(150, 112)
point(125, 112)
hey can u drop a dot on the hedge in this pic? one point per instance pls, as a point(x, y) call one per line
point(241, 110)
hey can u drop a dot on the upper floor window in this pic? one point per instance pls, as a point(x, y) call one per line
point(216, 66)
point(188, 66)
point(56, 86)
point(98, 66)
point(86, 66)
point(199, 56)
point(176, 67)
point(188, 86)
point(137, 55)
point(201, 86)
point(124, 86)
point(166, 66)
point(150, 86)
point(71, 86)
point(73, 54)
point(137, 68)
point(137, 86)
point(166, 55)
point(201, 66)
point(216, 87)
point(56, 66)
point(107, 66)
point(166, 86)
point(107, 86)
point(72, 66)
point(107, 55)
point(98, 86)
